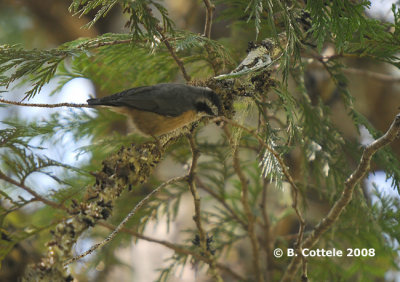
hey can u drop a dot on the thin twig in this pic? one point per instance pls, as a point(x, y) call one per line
point(71, 105)
point(246, 207)
point(173, 54)
point(268, 242)
point(221, 199)
point(32, 192)
point(175, 247)
point(193, 189)
point(197, 207)
point(209, 15)
point(94, 44)
point(125, 220)
point(295, 189)
point(266, 225)
point(345, 198)
point(370, 74)
point(218, 197)
point(211, 58)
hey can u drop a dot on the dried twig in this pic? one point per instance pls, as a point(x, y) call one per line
point(246, 207)
point(197, 206)
point(94, 44)
point(32, 192)
point(211, 58)
point(176, 248)
point(71, 105)
point(221, 199)
point(125, 220)
point(346, 195)
point(217, 197)
point(209, 15)
point(268, 241)
point(295, 189)
point(173, 54)
point(370, 74)
point(124, 168)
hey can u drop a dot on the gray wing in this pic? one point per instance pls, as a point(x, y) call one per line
point(166, 99)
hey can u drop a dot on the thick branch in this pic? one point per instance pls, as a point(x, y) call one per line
point(346, 196)
point(123, 169)
point(144, 201)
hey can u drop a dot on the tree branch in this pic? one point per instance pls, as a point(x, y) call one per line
point(144, 201)
point(173, 54)
point(209, 15)
point(247, 210)
point(295, 189)
point(268, 241)
point(71, 105)
point(346, 195)
point(32, 192)
point(197, 206)
point(125, 168)
point(222, 201)
point(371, 74)
point(176, 248)
point(94, 44)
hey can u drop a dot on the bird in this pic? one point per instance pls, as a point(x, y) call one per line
point(162, 108)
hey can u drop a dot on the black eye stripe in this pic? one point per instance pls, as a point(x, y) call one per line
point(203, 107)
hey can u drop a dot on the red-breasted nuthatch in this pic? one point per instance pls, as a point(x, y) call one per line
point(162, 108)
